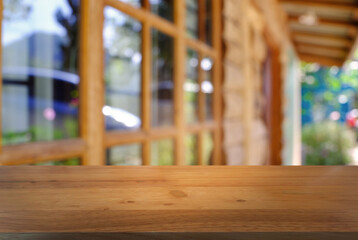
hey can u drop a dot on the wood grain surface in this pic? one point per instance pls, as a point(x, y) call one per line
point(178, 199)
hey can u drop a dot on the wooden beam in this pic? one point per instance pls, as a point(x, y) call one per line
point(322, 51)
point(200, 127)
point(142, 15)
point(350, 27)
point(325, 21)
point(42, 151)
point(323, 10)
point(333, 41)
point(351, 3)
point(325, 30)
point(114, 138)
point(332, 5)
point(200, 47)
point(325, 61)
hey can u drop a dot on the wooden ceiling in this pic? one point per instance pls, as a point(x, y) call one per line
point(331, 39)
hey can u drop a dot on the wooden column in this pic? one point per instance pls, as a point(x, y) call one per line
point(273, 95)
point(276, 115)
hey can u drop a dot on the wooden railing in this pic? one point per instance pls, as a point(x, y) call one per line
point(301, 201)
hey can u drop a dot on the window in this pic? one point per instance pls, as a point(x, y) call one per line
point(130, 82)
point(123, 58)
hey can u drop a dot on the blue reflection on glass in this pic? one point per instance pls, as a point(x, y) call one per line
point(40, 61)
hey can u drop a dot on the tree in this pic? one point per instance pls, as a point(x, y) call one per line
point(322, 87)
point(70, 49)
point(15, 9)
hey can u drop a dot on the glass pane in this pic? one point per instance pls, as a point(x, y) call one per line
point(40, 70)
point(163, 8)
point(125, 155)
point(123, 58)
point(162, 152)
point(68, 162)
point(135, 3)
point(191, 87)
point(162, 79)
point(207, 87)
point(208, 22)
point(208, 146)
point(199, 19)
point(192, 18)
point(191, 145)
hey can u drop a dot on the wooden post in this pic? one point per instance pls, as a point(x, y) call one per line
point(274, 114)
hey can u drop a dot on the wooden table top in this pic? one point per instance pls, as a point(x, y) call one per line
point(178, 199)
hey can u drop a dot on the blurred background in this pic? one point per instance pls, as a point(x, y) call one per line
point(329, 114)
point(244, 82)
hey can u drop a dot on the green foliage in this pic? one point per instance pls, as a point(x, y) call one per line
point(165, 153)
point(191, 150)
point(15, 137)
point(71, 127)
point(162, 153)
point(327, 143)
point(39, 133)
point(208, 146)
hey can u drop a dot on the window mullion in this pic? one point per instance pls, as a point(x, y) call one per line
point(202, 20)
point(179, 78)
point(146, 4)
point(217, 76)
point(146, 89)
point(201, 104)
point(92, 84)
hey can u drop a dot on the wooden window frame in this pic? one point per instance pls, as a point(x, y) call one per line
point(93, 140)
